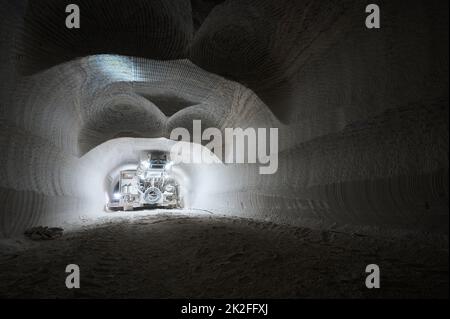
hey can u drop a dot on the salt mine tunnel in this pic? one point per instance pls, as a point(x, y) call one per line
point(362, 156)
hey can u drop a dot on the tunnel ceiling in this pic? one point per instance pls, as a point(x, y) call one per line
point(256, 43)
point(201, 9)
point(362, 116)
point(154, 29)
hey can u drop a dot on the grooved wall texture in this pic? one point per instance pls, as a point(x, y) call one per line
point(362, 114)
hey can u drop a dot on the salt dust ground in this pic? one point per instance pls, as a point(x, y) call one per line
point(177, 255)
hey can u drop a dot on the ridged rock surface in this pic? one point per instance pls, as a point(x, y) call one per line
point(362, 114)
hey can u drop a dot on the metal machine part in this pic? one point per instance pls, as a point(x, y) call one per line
point(151, 185)
point(152, 195)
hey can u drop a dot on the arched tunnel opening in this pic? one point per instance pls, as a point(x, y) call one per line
point(128, 171)
point(317, 147)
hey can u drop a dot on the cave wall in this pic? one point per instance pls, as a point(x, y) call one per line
point(56, 122)
point(362, 114)
point(366, 110)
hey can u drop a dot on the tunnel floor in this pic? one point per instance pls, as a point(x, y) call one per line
point(182, 256)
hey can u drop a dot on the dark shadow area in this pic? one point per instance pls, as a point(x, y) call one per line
point(168, 256)
point(169, 104)
point(155, 29)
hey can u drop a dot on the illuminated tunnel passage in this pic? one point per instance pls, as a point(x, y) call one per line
point(362, 156)
point(55, 168)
